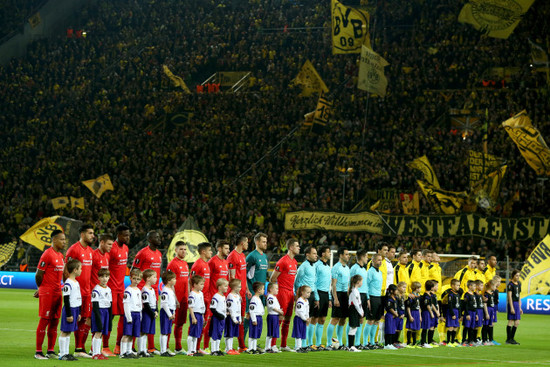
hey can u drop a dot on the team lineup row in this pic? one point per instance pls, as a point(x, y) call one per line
point(222, 292)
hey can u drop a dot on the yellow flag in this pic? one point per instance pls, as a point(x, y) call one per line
point(99, 185)
point(530, 142)
point(310, 80)
point(35, 20)
point(423, 165)
point(535, 273)
point(60, 202)
point(486, 193)
point(322, 113)
point(481, 164)
point(39, 234)
point(177, 80)
point(77, 202)
point(371, 72)
point(6, 252)
point(350, 28)
point(496, 18)
point(189, 233)
point(375, 206)
point(442, 201)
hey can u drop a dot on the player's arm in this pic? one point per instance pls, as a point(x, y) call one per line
point(300, 311)
point(509, 300)
point(97, 313)
point(126, 304)
point(391, 310)
point(214, 308)
point(333, 292)
point(253, 312)
point(67, 302)
point(357, 304)
point(274, 275)
point(164, 305)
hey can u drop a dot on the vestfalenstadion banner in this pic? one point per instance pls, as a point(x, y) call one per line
point(420, 225)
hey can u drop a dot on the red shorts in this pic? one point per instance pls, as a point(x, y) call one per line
point(286, 300)
point(181, 313)
point(118, 306)
point(86, 308)
point(49, 306)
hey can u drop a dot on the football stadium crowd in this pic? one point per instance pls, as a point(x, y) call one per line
point(77, 108)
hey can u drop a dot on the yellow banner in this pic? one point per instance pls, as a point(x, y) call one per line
point(39, 234)
point(486, 193)
point(177, 80)
point(77, 202)
point(371, 72)
point(350, 29)
point(192, 238)
point(530, 142)
point(99, 185)
point(60, 202)
point(322, 113)
point(423, 165)
point(535, 274)
point(310, 81)
point(481, 164)
point(410, 202)
point(496, 18)
point(442, 201)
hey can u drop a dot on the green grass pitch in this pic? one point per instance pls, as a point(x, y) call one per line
point(19, 319)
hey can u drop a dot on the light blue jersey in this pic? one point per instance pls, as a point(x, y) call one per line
point(323, 278)
point(357, 269)
point(374, 282)
point(341, 274)
point(306, 275)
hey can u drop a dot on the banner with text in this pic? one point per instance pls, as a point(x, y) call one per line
point(350, 28)
point(438, 226)
point(535, 273)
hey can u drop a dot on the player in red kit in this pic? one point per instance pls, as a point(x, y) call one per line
point(180, 267)
point(200, 267)
point(82, 251)
point(100, 257)
point(49, 275)
point(118, 265)
point(218, 270)
point(285, 274)
point(236, 262)
point(150, 258)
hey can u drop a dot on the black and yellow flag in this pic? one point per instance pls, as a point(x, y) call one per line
point(530, 142)
point(77, 202)
point(177, 80)
point(39, 234)
point(535, 273)
point(410, 203)
point(371, 72)
point(486, 192)
point(423, 165)
point(322, 114)
point(481, 164)
point(99, 185)
point(442, 201)
point(60, 202)
point(350, 28)
point(310, 80)
point(496, 18)
point(35, 20)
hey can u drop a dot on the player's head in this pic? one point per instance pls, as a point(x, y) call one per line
point(135, 276)
point(403, 258)
point(241, 240)
point(455, 284)
point(293, 246)
point(356, 281)
point(493, 284)
point(86, 234)
point(205, 250)
point(235, 285)
point(103, 272)
point(436, 285)
point(472, 262)
point(428, 286)
point(73, 266)
point(416, 255)
point(402, 287)
point(273, 288)
point(362, 256)
point(324, 252)
point(58, 239)
point(391, 252)
point(481, 264)
point(515, 275)
point(382, 248)
point(123, 234)
point(304, 291)
point(491, 260)
point(222, 285)
point(471, 284)
point(260, 240)
point(223, 248)
point(498, 279)
point(153, 237)
point(415, 286)
point(311, 253)
point(197, 282)
point(106, 242)
point(343, 254)
point(427, 255)
point(392, 289)
point(180, 249)
point(150, 276)
point(167, 276)
point(258, 288)
point(377, 260)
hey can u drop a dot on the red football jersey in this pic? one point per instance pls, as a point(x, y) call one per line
point(237, 262)
point(85, 256)
point(118, 259)
point(148, 259)
point(218, 270)
point(200, 267)
point(181, 269)
point(52, 264)
point(287, 267)
point(99, 261)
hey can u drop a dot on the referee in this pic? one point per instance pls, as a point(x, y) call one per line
point(374, 300)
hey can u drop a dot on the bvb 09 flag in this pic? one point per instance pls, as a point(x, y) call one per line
point(39, 234)
point(535, 273)
point(349, 29)
point(496, 18)
point(371, 72)
point(99, 185)
point(530, 142)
